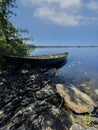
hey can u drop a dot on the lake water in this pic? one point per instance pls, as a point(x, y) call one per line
point(82, 65)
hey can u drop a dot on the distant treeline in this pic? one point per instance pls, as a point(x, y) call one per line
point(63, 46)
point(30, 46)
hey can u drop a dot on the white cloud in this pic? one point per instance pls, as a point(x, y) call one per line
point(61, 3)
point(93, 5)
point(68, 4)
point(64, 12)
point(58, 17)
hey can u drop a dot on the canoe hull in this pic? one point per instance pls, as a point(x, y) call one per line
point(35, 62)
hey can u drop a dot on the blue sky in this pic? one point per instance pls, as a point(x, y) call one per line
point(59, 22)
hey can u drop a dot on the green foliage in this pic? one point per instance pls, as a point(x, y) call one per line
point(11, 41)
point(87, 119)
point(74, 121)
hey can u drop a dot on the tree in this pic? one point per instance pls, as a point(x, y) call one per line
point(11, 41)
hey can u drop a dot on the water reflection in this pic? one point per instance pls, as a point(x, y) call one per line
point(82, 65)
point(61, 64)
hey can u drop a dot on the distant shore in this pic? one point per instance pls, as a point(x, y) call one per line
point(64, 46)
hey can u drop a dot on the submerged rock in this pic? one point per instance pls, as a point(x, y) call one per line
point(75, 99)
point(89, 90)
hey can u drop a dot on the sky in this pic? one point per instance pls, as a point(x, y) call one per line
point(58, 22)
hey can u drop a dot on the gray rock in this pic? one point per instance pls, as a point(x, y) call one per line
point(90, 128)
point(24, 71)
point(75, 99)
point(79, 127)
point(96, 91)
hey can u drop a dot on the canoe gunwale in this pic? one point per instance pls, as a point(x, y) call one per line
point(43, 57)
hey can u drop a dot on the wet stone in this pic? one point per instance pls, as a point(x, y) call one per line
point(18, 98)
point(24, 71)
point(84, 87)
point(29, 101)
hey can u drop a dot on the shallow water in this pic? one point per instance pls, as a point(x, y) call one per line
point(82, 65)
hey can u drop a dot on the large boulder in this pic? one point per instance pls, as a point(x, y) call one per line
point(75, 99)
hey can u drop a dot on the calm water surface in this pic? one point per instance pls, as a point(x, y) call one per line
point(82, 65)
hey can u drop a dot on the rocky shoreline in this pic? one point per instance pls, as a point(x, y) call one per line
point(35, 99)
